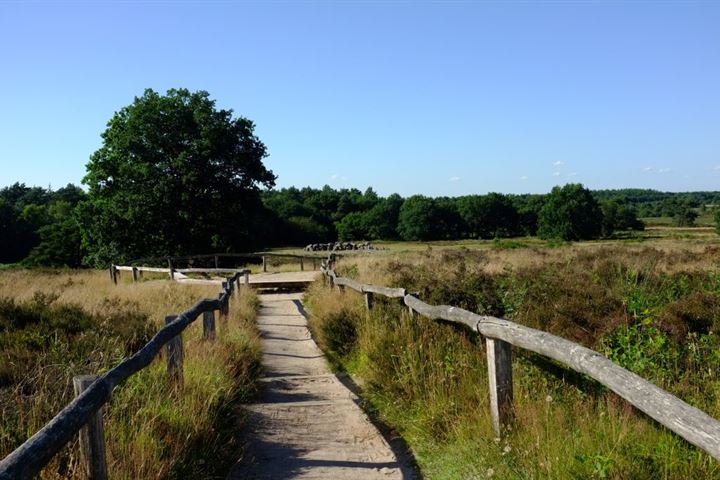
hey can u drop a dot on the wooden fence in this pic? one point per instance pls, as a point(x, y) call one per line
point(138, 270)
point(84, 415)
point(690, 423)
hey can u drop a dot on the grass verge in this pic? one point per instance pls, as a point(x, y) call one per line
point(56, 324)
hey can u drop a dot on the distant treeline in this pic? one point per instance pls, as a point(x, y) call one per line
point(42, 226)
point(309, 215)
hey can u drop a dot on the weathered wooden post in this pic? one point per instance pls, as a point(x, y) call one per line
point(410, 309)
point(264, 263)
point(172, 269)
point(247, 278)
point(499, 358)
point(113, 274)
point(92, 436)
point(332, 282)
point(223, 310)
point(314, 263)
point(369, 300)
point(217, 263)
point(209, 325)
point(302, 264)
point(135, 274)
point(174, 350)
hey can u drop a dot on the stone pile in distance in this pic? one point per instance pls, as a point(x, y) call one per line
point(338, 246)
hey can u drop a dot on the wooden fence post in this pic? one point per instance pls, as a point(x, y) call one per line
point(223, 312)
point(172, 269)
point(264, 263)
point(209, 325)
point(302, 264)
point(92, 436)
point(135, 274)
point(410, 310)
point(247, 278)
point(499, 357)
point(174, 356)
point(113, 274)
point(369, 300)
point(217, 263)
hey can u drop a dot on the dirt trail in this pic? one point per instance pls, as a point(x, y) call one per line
point(306, 423)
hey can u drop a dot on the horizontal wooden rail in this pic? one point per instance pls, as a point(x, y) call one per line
point(142, 269)
point(367, 288)
point(690, 423)
point(309, 255)
point(29, 458)
point(211, 270)
point(115, 269)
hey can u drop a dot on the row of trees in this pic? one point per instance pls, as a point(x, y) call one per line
point(570, 213)
point(69, 227)
point(175, 175)
point(39, 225)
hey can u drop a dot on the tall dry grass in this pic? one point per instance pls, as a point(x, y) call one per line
point(152, 430)
point(654, 311)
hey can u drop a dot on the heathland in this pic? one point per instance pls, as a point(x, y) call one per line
point(652, 307)
point(649, 302)
point(55, 324)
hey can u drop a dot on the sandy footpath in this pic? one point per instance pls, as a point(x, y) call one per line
point(306, 423)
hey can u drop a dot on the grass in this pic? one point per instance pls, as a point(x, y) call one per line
point(55, 324)
point(654, 310)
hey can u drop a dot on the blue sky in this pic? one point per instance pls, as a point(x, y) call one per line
point(439, 98)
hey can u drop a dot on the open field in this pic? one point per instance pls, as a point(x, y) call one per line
point(651, 306)
point(55, 324)
point(659, 236)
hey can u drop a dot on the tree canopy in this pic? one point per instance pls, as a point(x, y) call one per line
point(174, 175)
point(570, 213)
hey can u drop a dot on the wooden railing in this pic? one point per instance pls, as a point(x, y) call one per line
point(690, 423)
point(172, 262)
point(83, 415)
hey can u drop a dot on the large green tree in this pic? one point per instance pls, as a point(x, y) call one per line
point(420, 218)
point(488, 216)
point(570, 213)
point(174, 175)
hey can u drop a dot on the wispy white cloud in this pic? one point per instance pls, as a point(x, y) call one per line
point(572, 174)
point(716, 168)
point(334, 176)
point(556, 174)
point(454, 179)
point(657, 170)
point(524, 177)
point(558, 163)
